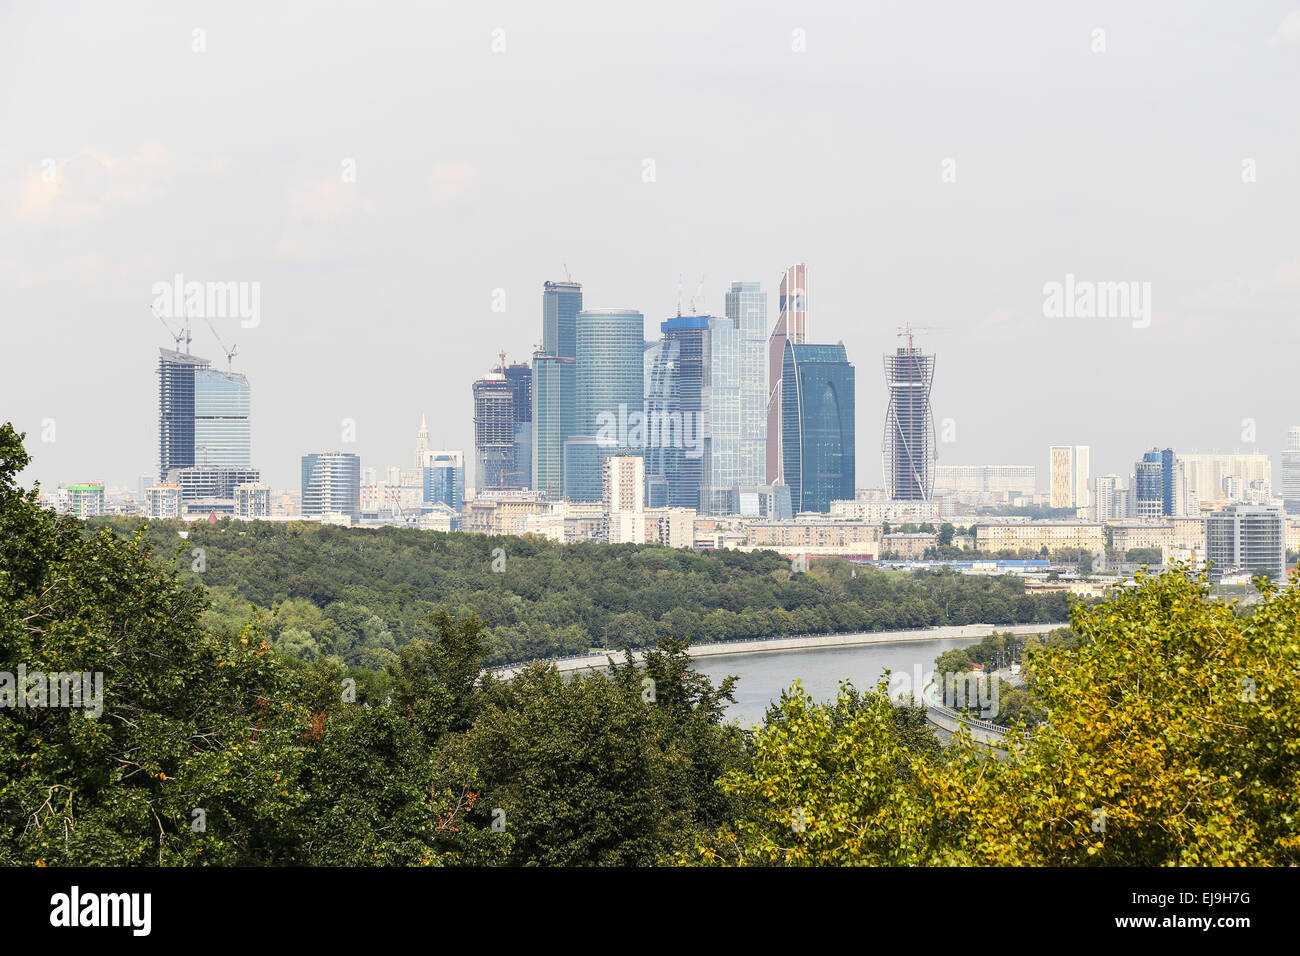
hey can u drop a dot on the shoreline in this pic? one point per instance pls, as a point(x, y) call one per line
point(797, 643)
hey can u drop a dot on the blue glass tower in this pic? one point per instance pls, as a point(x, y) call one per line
point(817, 425)
point(677, 409)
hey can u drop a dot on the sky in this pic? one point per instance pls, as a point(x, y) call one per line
point(398, 180)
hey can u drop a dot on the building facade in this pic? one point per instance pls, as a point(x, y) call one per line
point(791, 328)
point(908, 449)
point(331, 484)
point(817, 421)
point(1246, 538)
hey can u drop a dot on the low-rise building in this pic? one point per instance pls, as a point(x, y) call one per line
point(1035, 536)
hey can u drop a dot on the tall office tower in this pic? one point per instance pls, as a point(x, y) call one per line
point(1248, 538)
point(494, 434)
point(609, 378)
point(176, 409)
point(554, 386)
point(1069, 469)
point(677, 409)
point(909, 443)
point(520, 377)
point(737, 387)
point(554, 414)
point(421, 444)
point(444, 479)
point(817, 421)
point(331, 484)
point(792, 326)
point(1291, 471)
point(1108, 503)
point(561, 303)
point(205, 442)
point(1159, 487)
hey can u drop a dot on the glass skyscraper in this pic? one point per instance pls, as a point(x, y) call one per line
point(678, 409)
point(444, 479)
point(791, 326)
point(204, 434)
point(331, 483)
point(554, 396)
point(908, 449)
point(221, 428)
point(817, 422)
point(609, 379)
point(738, 397)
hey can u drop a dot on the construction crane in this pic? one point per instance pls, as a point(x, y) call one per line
point(908, 328)
point(698, 297)
point(230, 352)
point(184, 333)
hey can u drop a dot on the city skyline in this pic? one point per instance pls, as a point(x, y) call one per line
point(363, 235)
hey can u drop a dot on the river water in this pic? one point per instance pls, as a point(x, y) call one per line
point(765, 674)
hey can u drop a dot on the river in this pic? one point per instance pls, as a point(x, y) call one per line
point(764, 675)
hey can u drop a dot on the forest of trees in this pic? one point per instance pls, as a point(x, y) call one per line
point(362, 594)
point(1171, 719)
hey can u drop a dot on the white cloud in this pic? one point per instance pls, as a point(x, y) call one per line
point(1288, 31)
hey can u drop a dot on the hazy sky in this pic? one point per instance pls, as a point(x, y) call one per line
point(478, 170)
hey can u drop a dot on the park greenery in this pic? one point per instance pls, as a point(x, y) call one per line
point(1168, 733)
point(360, 595)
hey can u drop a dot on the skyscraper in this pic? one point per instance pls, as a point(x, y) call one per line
point(204, 435)
point(494, 434)
point(1159, 487)
point(421, 443)
point(677, 409)
point(792, 326)
point(331, 484)
point(817, 423)
point(561, 303)
point(554, 386)
point(1069, 470)
point(520, 377)
point(909, 441)
point(737, 445)
point(444, 479)
point(609, 379)
point(203, 414)
point(1291, 470)
point(554, 411)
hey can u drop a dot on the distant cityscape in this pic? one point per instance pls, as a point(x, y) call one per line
point(698, 439)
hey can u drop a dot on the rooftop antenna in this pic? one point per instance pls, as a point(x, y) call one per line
point(568, 276)
point(230, 352)
point(184, 333)
point(679, 295)
point(503, 361)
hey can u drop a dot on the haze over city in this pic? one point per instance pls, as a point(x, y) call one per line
point(936, 167)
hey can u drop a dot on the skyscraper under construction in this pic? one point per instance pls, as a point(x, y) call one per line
point(909, 441)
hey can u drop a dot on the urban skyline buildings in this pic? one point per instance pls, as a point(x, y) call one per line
point(817, 422)
point(494, 433)
point(331, 485)
point(791, 326)
point(555, 385)
point(679, 409)
point(909, 452)
point(1069, 469)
